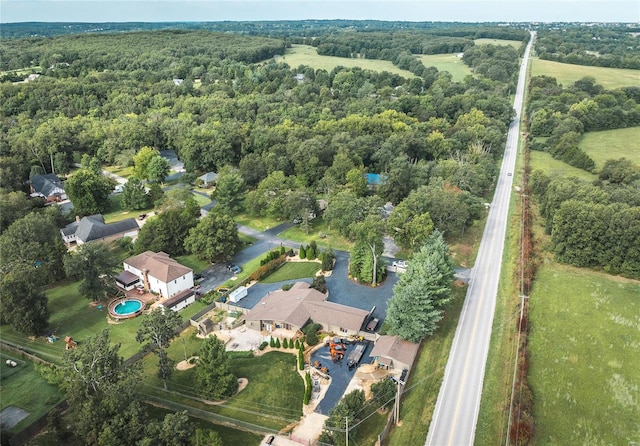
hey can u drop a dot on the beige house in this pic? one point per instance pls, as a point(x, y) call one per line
point(394, 353)
point(294, 308)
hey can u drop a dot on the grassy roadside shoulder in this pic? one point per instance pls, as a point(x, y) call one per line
point(421, 393)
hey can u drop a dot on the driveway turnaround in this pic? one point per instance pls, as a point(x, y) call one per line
point(456, 413)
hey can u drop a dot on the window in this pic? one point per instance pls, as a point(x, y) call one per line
point(175, 281)
point(343, 330)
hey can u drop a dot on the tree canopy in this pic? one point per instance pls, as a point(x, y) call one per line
point(422, 292)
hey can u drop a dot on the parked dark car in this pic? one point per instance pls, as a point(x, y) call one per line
point(235, 269)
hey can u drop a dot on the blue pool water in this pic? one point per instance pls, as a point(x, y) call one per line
point(127, 307)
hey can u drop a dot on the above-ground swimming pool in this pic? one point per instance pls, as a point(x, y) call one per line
point(125, 308)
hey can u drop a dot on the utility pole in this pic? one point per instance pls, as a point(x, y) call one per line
point(397, 404)
point(346, 431)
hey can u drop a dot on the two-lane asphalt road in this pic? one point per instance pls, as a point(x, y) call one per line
point(456, 412)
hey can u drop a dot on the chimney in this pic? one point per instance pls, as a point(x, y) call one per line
point(145, 279)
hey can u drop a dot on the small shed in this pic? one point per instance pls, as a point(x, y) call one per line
point(238, 294)
point(180, 300)
point(205, 327)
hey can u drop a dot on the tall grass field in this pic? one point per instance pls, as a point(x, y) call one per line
point(567, 74)
point(612, 144)
point(585, 357)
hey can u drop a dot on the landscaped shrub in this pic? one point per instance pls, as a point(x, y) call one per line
point(267, 268)
point(277, 342)
point(327, 260)
point(282, 250)
point(312, 250)
point(307, 389)
point(290, 343)
point(272, 342)
point(303, 252)
point(285, 343)
point(311, 333)
point(263, 345)
point(300, 359)
point(319, 283)
point(297, 344)
point(287, 286)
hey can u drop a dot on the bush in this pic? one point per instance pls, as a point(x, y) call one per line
point(283, 250)
point(303, 252)
point(307, 389)
point(263, 345)
point(327, 260)
point(312, 250)
point(287, 286)
point(300, 359)
point(311, 333)
point(285, 343)
point(277, 342)
point(290, 343)
point(272, 342)
point(297, 344)
point(319, 283)
point(267, 268)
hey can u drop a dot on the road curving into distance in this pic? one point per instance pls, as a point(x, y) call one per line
point(456, 412)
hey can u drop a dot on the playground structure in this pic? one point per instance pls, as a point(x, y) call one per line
point(70, 343)
point(337, 349)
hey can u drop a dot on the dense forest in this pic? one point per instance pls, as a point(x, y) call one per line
point(601, 46)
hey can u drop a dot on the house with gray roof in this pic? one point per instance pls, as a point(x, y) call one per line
point(208, 178)
point(93, 228)
point(294, 308)
point(47, 186)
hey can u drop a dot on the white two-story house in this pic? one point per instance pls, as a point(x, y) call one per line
point(156, 272)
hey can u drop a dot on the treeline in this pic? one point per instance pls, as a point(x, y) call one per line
point(594, 225)
point(172, 52)
point(281, 28)
point(599, 46)
point(559, 116)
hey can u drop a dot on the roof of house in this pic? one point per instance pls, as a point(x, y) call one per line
point(46, 184)
point(93, 227)
point(159, 265)
point(301, 303)
point(127, 278)
point(395, 349)
point(181, 296)
point(208, 177)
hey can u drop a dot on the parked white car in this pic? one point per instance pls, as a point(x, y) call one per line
point(400, 263)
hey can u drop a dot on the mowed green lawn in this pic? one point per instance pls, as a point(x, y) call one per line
point(555, 168)
point(567, 74)
point(585, 357)
point(307, 55)
point(26, 389)
point(612, 144)
point(447, 62)
point(514, 43)
point(292, 271)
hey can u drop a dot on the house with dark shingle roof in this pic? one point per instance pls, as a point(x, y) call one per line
point(47, 186)
point(157, 272)
point(208, 178)
point(294, 308)
point(93, 228)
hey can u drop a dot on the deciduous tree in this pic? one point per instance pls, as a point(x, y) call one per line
point(213, 371)
point(89, 192)
point(215, 238)
point(93, 264)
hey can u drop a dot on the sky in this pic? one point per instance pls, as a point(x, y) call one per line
point(251, 10)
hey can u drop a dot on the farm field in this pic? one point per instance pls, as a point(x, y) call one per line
point(567, 74)
point(514, 43)
point(612, 144)
point(555, 168)
point(307, 55)
point(447, 62)
point(585, 355)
